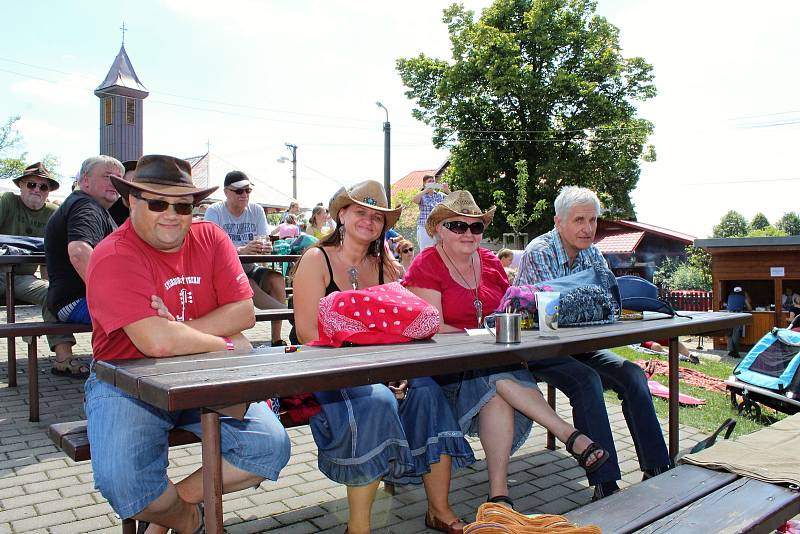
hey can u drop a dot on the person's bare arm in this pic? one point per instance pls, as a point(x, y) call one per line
point(309, 288)
point(434, 298)
point(227, 320)
point(418, 197)
point(79, 253)
point(159, 337)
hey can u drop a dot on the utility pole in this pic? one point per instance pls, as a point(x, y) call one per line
point(387, 129)
point(293, 149)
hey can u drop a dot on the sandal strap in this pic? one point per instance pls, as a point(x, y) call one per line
point(501, 498)
point(570, 443)
point(584, 456)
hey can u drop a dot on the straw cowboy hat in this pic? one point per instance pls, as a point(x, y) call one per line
point(162, 175)
point(369, 194)
point(37, 170)
point(457, 204)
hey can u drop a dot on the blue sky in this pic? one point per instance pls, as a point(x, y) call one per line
point(250, 75)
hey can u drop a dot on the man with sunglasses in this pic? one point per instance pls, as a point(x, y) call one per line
point(245, 223)
point(26, 215)
point(566, 249)
point(162, 286)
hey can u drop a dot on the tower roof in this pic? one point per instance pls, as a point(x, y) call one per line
point(121, 79)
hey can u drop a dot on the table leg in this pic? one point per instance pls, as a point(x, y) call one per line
point(673, 397)
point(551, 400)
point(33, 380)
point(212, 471)
point(12, 345)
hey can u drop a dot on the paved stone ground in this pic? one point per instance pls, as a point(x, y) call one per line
point(43, 491)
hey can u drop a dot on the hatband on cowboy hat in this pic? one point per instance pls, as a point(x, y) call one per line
point(457, 204)
point(369, 194)
point(37, 170)
point(165, 176)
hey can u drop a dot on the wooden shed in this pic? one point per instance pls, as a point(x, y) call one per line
point(763, 267)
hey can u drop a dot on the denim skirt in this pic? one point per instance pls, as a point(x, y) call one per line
point(468, 392)
point(364, 434)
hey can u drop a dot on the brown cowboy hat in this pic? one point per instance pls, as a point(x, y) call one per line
point(457, 204)
point(37, 170)
point(166, 176)
point(369, 194)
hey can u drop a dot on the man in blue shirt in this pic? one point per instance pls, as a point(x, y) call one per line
point(568, 248)
point(738, 301)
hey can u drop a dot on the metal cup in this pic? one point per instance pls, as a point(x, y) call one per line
point(508, 327)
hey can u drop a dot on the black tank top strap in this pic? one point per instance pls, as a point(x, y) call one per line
point(332, 284)
point(380, 271)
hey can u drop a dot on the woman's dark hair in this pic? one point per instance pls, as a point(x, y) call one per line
point(376, 248)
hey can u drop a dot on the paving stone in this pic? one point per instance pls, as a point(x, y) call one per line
point(29, 499)
point(84, 525)
point(43, 521)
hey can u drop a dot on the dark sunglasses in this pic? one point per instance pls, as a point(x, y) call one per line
point(44, 188)
point(407, 250)
point(158, 206)
point(460, 227)
point(240, 191)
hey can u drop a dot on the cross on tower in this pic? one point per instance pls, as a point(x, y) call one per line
point(124, 29)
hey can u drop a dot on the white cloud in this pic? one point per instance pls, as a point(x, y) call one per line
point(72, 89)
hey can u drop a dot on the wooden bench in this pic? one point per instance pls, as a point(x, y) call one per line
point(72, 439)
point(36, 329)
point(693, 499)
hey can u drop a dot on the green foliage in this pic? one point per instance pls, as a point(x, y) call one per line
point(694, 273)
point(759, 222)
point(542, 82)
point(410, 213)
point(769, 231)
point(789, 223)
point(732, 224)
point(10, 167)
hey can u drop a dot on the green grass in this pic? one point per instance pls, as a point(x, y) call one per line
point(718, 406)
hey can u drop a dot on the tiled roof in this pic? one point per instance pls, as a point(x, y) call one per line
point(122, 75)
point(411, 181)
point(650, 228)
point(619, 243)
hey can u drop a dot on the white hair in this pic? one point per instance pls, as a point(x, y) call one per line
point(90, 163)
point(571, 196)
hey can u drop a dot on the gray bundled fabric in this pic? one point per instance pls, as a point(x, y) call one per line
point(586, 305)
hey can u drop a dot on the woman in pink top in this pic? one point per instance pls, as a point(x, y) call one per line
point(288, 228)
point(465, 282)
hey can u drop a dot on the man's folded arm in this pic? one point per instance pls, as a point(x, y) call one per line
point(158, 337)
point(227, 320)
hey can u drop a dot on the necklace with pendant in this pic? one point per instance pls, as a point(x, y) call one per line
point(352, 271)
point(477, 302)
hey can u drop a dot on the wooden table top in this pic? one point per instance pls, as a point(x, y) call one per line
point(24, 259)
point(220, 378)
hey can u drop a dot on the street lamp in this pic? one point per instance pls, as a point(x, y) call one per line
point(283, 159)
point(387, 128)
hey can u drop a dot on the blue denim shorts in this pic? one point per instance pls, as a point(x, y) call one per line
point(129, 444)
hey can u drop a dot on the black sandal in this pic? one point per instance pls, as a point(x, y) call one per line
point(501, 499)
point(75, 368)
point(587, 453)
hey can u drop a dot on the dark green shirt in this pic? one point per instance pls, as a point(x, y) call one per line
point(18, 219)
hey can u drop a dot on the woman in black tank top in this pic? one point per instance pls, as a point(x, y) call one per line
point(361, 431)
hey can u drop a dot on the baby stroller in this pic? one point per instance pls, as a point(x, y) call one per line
point(769, 374)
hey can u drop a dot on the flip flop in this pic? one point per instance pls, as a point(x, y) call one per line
point(76, 368)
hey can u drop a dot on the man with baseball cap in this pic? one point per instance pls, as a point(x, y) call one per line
point(738, 301)
point(26, 215)
point(161, 286)
point(246, 225)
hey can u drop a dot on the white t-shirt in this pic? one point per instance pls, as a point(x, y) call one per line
point(241, 229)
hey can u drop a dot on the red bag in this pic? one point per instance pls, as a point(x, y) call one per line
point(383, 314)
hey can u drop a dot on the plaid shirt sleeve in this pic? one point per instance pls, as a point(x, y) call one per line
point(539, 263)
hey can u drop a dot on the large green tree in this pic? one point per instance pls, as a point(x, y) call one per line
point(732, 224)
point(539, 81)
point(789, 223)
point(759, 222)
point(12, 155)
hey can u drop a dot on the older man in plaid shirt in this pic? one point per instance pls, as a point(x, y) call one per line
point(568, 249)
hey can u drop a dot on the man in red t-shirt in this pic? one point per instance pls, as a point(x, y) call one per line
point(161, 286)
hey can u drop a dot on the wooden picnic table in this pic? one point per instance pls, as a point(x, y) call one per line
point(217, 379)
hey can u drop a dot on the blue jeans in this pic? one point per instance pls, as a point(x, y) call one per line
point(129, 444)
point(582, 378)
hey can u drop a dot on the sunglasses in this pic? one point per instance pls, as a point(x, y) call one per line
point(44, 188)
point(460, 227)
point(158, 206)
point(241, 191)
point(407, 250)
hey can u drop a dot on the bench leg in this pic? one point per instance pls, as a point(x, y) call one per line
point(551, 400)
point(128, 526)
point(674, 438)
point(33, 380)
point(12, 345)
point(212, 471)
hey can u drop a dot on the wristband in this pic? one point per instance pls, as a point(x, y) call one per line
point(228, 343)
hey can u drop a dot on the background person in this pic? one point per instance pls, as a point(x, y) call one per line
point(182, 291)
point(73, 232)
point(405, 431)
point(739, 301)
point(244, 222)
point(317, 224)
point(427, 198)
point(464, 281)
point(568, 248)
point(287, 229)
point(27, 215)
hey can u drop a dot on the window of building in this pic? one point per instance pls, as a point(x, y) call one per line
point(130, 111)
point(108, 103)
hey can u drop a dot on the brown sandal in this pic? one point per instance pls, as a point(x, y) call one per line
point(75, 368)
